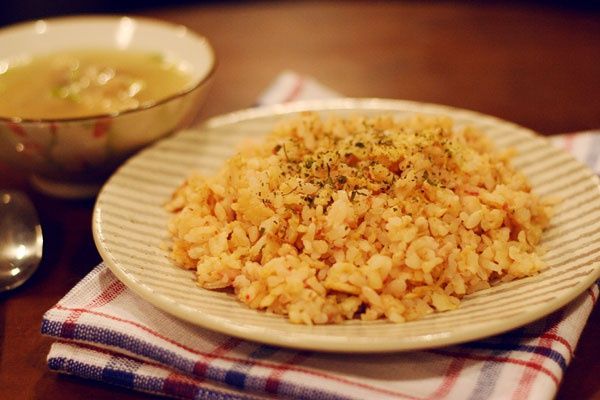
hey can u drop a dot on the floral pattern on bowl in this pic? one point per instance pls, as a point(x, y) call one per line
point(72, 157)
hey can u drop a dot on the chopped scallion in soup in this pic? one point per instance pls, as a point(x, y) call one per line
point(87, 82)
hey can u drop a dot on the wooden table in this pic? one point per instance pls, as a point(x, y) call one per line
point(536, 66)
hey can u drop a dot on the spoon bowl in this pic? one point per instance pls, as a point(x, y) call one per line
point(21, 240)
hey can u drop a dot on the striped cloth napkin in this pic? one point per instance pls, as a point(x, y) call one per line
point(103, 331)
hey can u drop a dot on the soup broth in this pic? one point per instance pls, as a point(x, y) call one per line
point(84, 83)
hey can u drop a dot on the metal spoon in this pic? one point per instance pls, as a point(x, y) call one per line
point(20, 239)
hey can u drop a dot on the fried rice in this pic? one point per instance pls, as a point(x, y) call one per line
point(359, 218)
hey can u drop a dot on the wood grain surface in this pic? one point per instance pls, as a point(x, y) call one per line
point(532, 64)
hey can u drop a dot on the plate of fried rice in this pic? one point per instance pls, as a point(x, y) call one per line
point(353, 225)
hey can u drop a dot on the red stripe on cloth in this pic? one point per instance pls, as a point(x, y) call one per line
point(272, 384)
point(529, 375)
point(242, 360)
point(174, 377)
point(111, 292)
point(450, 378)
point(108, 294)
point(561, 340)
point(295, 91)
point(555, 337)
point(180, 386)
point(109, 353)
point(527, 364)
point(67, 329)
point(201, 367)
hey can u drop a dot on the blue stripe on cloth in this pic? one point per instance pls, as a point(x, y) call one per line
point(488, 376)
point(264, 351)
point(104, 336)
point(148, 383)
point(97, 335)
point(77, 368)
point(237, 379)
point(120, 371)
point(249, 381)
point(491, 369)
point(240, 377)
point(51, 328)
point(118, 377)
point(541, 350)
point(56, 363)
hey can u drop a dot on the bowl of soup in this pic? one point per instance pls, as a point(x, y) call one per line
point(79, 95)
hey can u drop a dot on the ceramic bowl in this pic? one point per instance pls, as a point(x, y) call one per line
point(72, 157)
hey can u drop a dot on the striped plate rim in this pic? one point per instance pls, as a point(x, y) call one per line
point(129, 227)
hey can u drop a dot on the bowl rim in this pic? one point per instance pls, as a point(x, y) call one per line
point(117, 17)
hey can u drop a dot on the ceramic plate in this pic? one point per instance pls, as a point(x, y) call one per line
point(130, 230)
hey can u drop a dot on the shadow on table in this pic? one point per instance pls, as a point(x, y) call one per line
point(12, 11)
